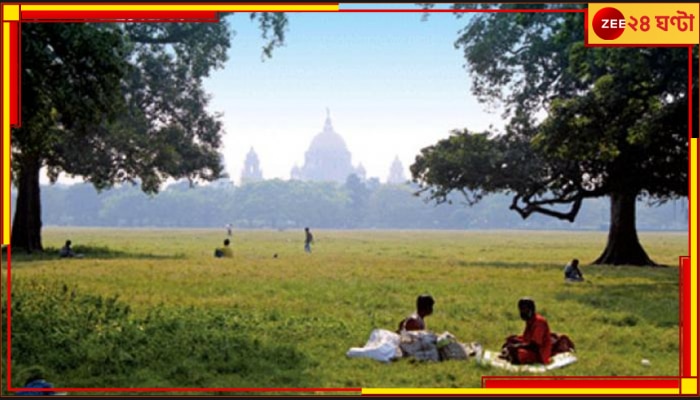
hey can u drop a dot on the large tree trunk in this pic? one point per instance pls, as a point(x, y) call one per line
point(623, 245)
point(26, 227)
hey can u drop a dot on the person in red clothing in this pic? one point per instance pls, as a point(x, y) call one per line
point(535, 344)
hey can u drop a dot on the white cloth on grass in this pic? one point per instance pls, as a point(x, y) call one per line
point(557, 361)
point(383, 345)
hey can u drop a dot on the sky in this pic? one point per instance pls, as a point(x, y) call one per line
point(392, 82)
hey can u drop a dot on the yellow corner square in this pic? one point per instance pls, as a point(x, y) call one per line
point(689, 386)
point(10, 13)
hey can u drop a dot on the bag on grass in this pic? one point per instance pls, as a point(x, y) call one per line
point(419, 344)
point(562, 344)
point(450, 348)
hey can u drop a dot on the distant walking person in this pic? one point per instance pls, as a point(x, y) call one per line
point(229, 230)
point(309, 239)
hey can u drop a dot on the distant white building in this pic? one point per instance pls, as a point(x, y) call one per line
point(396, 175)
point(327, 158)
point(251, 168)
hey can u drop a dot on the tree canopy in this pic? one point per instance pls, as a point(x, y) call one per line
point(119, 103)
point(581, 123)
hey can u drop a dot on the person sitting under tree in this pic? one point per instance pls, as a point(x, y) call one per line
point(66, 250)
point(572, 273)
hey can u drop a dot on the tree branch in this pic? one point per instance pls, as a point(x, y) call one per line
point(532, 208)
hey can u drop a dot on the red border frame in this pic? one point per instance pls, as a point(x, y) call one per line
point(119, 16)
point(538, 382)
point(513, 382)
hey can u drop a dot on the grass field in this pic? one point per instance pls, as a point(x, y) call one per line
point(154, 308)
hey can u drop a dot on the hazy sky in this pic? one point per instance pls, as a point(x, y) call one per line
point(393, 83)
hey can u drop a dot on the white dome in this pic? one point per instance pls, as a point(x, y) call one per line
point(327, 158)
point(328, 140)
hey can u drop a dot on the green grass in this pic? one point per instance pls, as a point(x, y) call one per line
point(154, 308)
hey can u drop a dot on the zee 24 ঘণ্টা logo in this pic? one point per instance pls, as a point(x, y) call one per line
point(609, 23)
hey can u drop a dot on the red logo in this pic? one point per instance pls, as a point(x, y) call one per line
point(608, 23)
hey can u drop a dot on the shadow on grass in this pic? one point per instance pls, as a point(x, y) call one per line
point(629, 304)
point(506, 264)
point(87, 252)
point(525, 264)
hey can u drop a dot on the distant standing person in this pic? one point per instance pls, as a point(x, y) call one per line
point(229, 229)
point(572, 273)
point(309, 239)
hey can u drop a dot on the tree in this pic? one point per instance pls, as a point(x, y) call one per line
point(359, 196)
point(66, 90)
point(615, 125)
point(118, 103)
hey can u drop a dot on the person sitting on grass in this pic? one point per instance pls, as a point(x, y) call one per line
point(416, 321)
point(535, 344)
point(572, 273)
point(414, 340)
point(66, 250)
point(225, 251)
